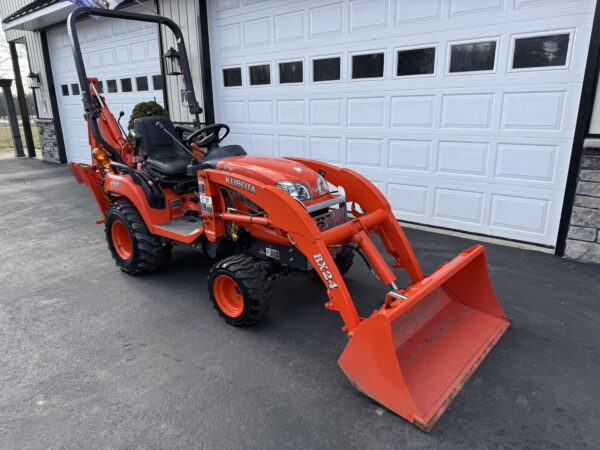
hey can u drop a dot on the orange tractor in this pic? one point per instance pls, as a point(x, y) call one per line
point(262, 217)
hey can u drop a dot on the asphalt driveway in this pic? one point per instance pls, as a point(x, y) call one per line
point(93, 358)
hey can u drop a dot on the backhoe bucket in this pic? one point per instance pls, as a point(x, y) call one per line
point(415, 356)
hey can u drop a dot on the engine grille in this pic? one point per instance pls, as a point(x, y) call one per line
point(331, 218)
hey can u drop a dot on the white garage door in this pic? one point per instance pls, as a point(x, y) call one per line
point(123, 55)
point(461, 111)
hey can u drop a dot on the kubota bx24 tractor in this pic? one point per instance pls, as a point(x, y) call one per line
point(261, 217)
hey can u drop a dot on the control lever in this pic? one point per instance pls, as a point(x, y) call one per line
point(161, 126)
point(121, 114)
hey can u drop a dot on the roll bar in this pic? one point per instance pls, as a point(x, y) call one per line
point(88, 103)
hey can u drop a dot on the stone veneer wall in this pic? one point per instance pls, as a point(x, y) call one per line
point(583, 240)
point(48, 140)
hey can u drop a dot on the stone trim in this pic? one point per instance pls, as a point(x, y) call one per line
point(583, 239)
point(48, 140)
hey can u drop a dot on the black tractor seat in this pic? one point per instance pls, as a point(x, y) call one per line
point(165, 158)
point(162, 153)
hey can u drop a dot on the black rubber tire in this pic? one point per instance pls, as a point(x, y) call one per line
point(344, 259)
point(148, 252)
point(252, 280)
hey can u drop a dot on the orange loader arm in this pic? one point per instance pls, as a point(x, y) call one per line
point(416, 352)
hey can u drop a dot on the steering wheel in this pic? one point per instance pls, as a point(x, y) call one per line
point(213, 135)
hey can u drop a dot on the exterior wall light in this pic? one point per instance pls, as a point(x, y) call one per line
point(172, 62)
point(33, 80)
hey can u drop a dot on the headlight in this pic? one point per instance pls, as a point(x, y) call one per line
point(296, 189)
point(322, 185)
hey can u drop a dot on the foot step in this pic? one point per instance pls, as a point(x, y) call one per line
point(182, 224)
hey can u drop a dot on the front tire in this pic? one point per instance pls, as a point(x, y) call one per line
point(344, 259)
point(134, 249)
point(240, 290)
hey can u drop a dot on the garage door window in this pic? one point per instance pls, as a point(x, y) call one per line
point(541, 51)
point(415, 61)
point(291, 72)
point(473, 57)
point(75, 89)
point(157, 82)
point(64, 89)
point(260, 75)
point(111, 85)
point(126, 85)
point(232, 77)
point(141, 84)
point(367, 66)
point(326, 69)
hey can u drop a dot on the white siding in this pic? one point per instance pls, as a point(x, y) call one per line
point(7, 7)
point(186, 14)
point(34, 50)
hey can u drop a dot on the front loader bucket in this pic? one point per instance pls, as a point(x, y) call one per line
point(415, 356)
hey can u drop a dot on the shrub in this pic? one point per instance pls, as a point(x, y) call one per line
point(145, 109)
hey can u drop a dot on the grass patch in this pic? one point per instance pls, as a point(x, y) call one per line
point(6, 136)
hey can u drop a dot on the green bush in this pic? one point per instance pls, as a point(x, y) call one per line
point(145, 109)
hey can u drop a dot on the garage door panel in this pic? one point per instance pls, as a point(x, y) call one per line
point(260, 112)
point(521, 114)
point(292, 146)
point(526, 162)
point(470, 150)
point(412, 111)
point(458, 205)
point(326, 112)
point(138, 52)
point(238, 139)
point(368, 15)
point(407, 200)
point(229, 36)
point(366, 112)
point(289, 27)
point(328, 149)
point(262, 144)
point(467, 110)
point(364, 152)
point(425, 10)
point(533, 110)
point(326, 21)
point(257, 32)
point(291, 112)
point(233, 111)
point(409, 154)
point(519, 213)
point(463, 158)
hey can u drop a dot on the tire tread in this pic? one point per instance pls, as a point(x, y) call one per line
point(152, 254)
point(254, 279)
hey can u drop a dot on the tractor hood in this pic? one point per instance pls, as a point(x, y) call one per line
point(270, 170)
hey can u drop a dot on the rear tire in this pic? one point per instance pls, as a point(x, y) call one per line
point(134, 249)
point(240, 289)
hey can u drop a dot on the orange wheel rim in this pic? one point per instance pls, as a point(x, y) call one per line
point(228, 295)
point(121, 239)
